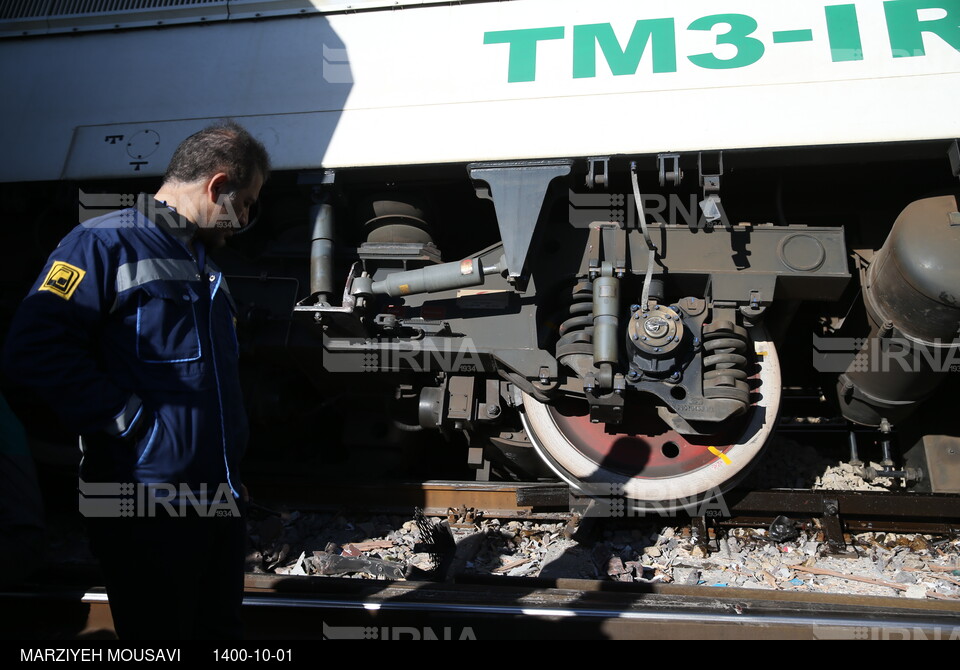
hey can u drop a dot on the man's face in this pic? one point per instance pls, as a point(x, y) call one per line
point(227, 209)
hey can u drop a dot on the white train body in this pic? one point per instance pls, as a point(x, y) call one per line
point(337, 84)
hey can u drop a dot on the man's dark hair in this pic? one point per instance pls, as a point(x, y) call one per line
point(223, 147)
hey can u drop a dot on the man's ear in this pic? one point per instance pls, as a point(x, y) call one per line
point(217, 185)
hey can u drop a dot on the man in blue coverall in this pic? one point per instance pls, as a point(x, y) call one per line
point(130, 335)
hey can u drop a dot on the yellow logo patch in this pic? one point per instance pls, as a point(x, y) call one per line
point(63, 279)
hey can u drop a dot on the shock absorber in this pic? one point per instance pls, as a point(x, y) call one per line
point(725, 362)
point(575, 346)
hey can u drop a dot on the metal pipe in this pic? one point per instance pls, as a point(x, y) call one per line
point(887, 459)
point(854, 455)
point(321, 253)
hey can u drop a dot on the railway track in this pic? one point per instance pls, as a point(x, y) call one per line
point(298, 608)
point(466, 606)
point(836, 512)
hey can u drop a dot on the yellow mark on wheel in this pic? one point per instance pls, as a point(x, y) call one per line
point(719, 454)
point(761, 353)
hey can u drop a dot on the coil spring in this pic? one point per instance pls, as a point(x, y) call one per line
point(576, 331)
point(725, 362)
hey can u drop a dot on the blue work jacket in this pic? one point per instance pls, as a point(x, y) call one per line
point(132, 341)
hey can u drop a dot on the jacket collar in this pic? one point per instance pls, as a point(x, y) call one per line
point(167, 219)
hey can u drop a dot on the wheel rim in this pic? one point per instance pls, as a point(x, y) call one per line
point(652, 465)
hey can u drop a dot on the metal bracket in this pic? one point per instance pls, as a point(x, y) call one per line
point(668, 166)
point(832, 528)
point(710, 181)
point(489, 409)
point(460, 403)
point(606, 408)
point(594, 245)
point(348, 304)
point(611, 245)
point(597, 171)
point(757, 306)
point(518, 190)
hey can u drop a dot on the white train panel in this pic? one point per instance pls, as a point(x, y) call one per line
point(486, 81)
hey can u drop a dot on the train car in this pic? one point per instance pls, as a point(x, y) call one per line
point(611, 243)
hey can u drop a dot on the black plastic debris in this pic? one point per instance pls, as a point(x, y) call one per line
point(783, 529)
point(336, 566)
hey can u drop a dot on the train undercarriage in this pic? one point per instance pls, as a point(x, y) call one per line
point(545, 326)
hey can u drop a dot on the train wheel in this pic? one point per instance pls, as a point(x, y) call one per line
point(642, 459)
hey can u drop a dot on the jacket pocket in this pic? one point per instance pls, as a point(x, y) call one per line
point(160, 455)
point(167, 329)
point(149, 440)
